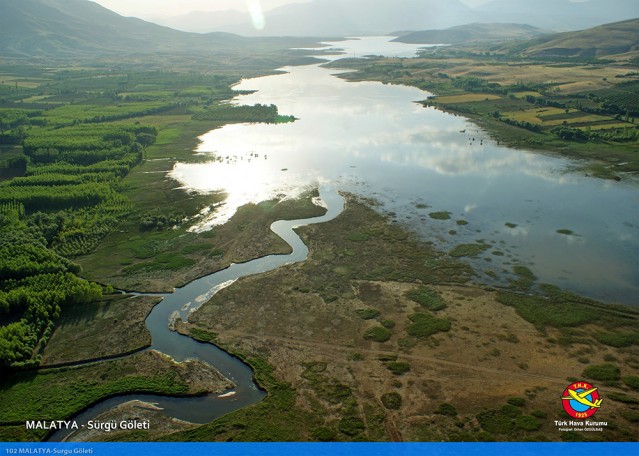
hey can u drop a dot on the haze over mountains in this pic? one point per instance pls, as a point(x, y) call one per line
point(59, 28)
point(362, 17)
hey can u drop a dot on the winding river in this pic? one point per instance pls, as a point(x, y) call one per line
point(373, 140)
point(188, 299)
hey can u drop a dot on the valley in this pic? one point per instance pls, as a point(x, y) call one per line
point(485, 257)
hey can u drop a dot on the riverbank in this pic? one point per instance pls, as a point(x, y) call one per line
point(59, 394)
point(379, 337)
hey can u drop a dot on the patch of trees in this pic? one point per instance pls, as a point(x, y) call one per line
point(475, 84)
point(35, 285)
point(56, 197)
point(521, 124)
point(628, 134)
point(159, 222)
point(538, 101)
point(231, 113)
point(569, 134)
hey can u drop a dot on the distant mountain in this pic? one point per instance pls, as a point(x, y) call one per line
point(468, 33)
point(362, 17)
point(604, 40)
point(558, 14)
point(74, 27)
point(205, 21)
point(344, 18)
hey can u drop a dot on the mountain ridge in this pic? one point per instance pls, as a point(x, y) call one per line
point(475, 32)
point(600, 41)
point(72, 27)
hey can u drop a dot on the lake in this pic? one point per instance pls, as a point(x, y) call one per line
point(373, 140)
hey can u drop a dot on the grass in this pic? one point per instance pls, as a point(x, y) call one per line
point(59, 393)
point(356, 236)
point(525, 277)
point(160, 260)
point(276, 418)
point(562, 309)
point(112, 326)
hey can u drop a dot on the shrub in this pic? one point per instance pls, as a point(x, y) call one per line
point(378, 334)
point(446, 409)
point(618, 340)
point(367, 314)
point(398, 367)
point(527, 422)
point(604, 372)
point(427, 297)
point(631, 415)
point(389, 324)
point(539, 414)
point(517, 401)
point(632, 381)
point(468, 250)
point(351, 425)
point(625, 398)
point(425, 325)
point(442, 215)
point(392, 401)
point(495, 422)
point(325, 434)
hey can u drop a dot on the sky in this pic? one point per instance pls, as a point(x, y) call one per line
point(150, 9)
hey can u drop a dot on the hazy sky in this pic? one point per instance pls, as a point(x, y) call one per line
point(162, 8)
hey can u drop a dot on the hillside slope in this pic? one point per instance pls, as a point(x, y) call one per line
point(601, 41)
point(63, 28)
point(475, 32)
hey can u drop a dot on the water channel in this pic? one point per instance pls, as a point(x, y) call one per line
point(189, 298)
point(373, 140)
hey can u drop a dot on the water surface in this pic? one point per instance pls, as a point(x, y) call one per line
point(374, 140)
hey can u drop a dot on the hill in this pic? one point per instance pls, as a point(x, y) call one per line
point(601, 41)
point(559, 15)
point(77, 28)
point(475, 32)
